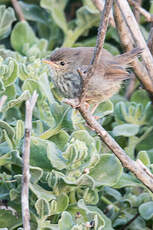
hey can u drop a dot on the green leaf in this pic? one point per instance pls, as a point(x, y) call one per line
point(107, 171)
point(13, 71)
point(6, 20)
point(86, 18)
point(66, 221)
point(38, 156)
point(62, 115)
point(126, 130)
point(60, 139)
point(5, 159)
point(9, 218)
point(56, 7)
point(140, 96)
point(143, 156)
point(146, 210)
point(146, 143)
point(104, 109)
point(127, 180)
point(96, 215)
point(10, 131)
point(42, 193)
point(36, 174)
point(55, 156)
point(21, 35)
point(85, 137)
point(23, 97)
point(12, 157)
point(60, 204)
point(44, 87)
point(10, 92)
point(91, 196)
point(42, 208)
point(33, 12)
point(19, 130)
point(111, 48)
point(31, 85)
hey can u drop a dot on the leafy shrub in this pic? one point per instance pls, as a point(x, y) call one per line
point(76, 182)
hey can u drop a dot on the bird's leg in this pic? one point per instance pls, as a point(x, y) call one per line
point(74, 103)
point(94, 109)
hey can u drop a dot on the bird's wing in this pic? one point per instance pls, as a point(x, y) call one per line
point(114, 70)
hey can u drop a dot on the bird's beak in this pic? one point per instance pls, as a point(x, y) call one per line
point(54, 65)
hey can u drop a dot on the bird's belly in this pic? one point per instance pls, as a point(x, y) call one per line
point(101, 89)
point(70, 85)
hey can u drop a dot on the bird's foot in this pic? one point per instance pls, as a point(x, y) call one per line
point(74, 103)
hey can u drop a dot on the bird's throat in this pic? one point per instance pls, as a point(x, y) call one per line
point(69, 84)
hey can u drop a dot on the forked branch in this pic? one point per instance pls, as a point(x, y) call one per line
point(99, 46)
point(26, 156)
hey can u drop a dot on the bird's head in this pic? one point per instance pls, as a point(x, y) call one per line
point(64, 60)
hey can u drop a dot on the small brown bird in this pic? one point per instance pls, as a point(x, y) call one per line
point(108, 76)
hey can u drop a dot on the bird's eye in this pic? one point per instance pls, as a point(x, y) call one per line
point(62, 63)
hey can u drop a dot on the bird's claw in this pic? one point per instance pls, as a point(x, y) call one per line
point(74, 103)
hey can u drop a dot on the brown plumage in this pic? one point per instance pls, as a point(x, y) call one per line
point(109, 74)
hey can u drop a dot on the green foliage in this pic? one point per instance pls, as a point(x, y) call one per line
point(6, 20)
point(76, 182)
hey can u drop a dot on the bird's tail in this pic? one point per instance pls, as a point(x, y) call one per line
point(128, 57)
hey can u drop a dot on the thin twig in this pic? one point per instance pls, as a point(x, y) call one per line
point(18, 10)
point(128, 43)
point(26, 156)
point(99, 46)
point(136, 35)
point(142, 11)
point(136, 12)
point(99, 4)
point(2, 101)
point(150, 41)
point(131, 87)
point(127, 162)
point(144, 168)
point(132, 82)
point(130, 222)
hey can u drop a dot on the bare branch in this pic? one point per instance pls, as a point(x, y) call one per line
point(99, 46)
point(18, 10)
point(127, 162)
point(150, 41)
point(26, 156)
point(136, 35)
point(136, 12)
point(131, 87)
point(128, 43)
point(99, 4)
point(142, 11)
point(2, 101)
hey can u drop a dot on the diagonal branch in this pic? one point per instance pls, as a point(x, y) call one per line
point(18, 10)
point(26, 156)
point(142, 11)
point(128, 43)
point(140, 171)
point(136, 35)
point(150, 41)
point(99, 4)
point(99, 46)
